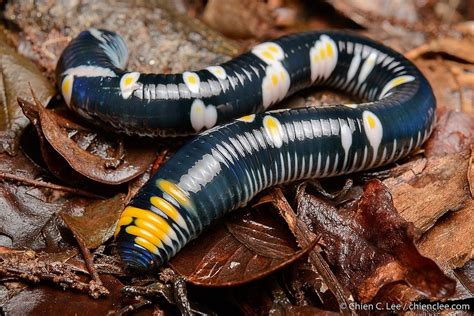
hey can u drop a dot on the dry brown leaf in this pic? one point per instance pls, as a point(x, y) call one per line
point(369, 246)
point(239, 18)
point(441, 187)
point(459, 48)
point(453, 133)
point(451, 241)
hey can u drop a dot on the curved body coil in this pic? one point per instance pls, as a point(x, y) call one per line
point(224, 167)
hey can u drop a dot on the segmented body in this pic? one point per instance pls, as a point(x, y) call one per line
point(224, 167)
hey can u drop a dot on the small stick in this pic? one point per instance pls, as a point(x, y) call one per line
point(159, 160)
point(86, 254)
point(42, 184)
point(300, 232)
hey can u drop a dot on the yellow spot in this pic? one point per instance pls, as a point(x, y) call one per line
point(322, 53)
point(247, 118)
point(124, 221)
point(398, 81)
point(219, 71)
point(174, 191)
point(273, 49)
point(66, 85)
point(151, 228)
point(329, 49)
point(166, 207)
point(268, 55)
point(128, 81)
point(148, 216)
point(273, 130)
point(274, 80)
point(271, 123)
point(146, 244)
point(315, 58)
point(371, 121)
point(192, 80)
point(143, 233)
point(282, 74)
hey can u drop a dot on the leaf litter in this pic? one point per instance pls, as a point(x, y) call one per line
point(366, 250)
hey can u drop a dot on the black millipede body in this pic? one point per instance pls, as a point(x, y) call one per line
point(237, 156)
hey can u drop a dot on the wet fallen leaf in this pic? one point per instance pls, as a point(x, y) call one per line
point(16, 74)
point(369, 245)
point(97, 224)
point(424, 197)
point(454, 132)
point(251, 245)
point(25, 210)
point(90, 155)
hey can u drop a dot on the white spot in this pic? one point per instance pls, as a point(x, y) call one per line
point(395, 82)
point(353, 67)
point(202, 116)
point(210, 116)
point(323, 58)
point(200, 174)
point(273, 130)
point(97, 34)
point(217, 71)
point(66, 88)
point(128, 84)
point(247, 118)
point(373, 130)
point(90, 71)
point(192, 81)
point(346, 140)
point(367, 67)
point(275, 84)
point(269, 52)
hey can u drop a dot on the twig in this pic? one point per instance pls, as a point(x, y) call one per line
point(181, 296)
point(26, 266)
point(159, 160)
point(300, 232)
point(88, 259)
point(131, 308)
point(42, 184)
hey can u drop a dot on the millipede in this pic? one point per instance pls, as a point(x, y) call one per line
point(241, 148)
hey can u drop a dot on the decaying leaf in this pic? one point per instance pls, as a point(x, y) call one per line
point(370, 246)
point(17, 73)
point(453, 133)
point(90, 155)
point(251, 245)
point(33, 267)
point(451, 242)
point(98, 222)
point(459, 48)
point(25, 210)
point(440, 187)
